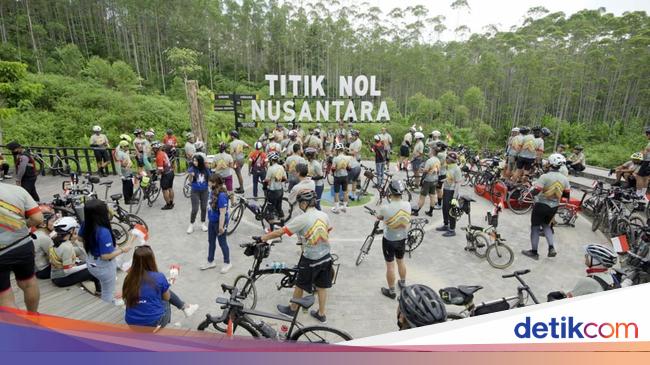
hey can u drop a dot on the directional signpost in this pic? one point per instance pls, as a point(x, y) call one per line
point(236, 103)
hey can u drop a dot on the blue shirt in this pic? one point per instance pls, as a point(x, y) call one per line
point(103, 241)
point(151, 305)
point(222, 202)
point(200, 180)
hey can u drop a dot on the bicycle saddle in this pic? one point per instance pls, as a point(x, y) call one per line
point(469, 289)
point(304, 302)
point(116, 197)
point(109, 183)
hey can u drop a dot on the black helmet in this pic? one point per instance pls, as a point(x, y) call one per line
point(524, 130)
point(137, 131)
point(308, 196)
point(223, 147)
point(234, 134)
point(441, 146)
point(396, 187)
point(170, 131)
point(546, 132)
point(421, 306)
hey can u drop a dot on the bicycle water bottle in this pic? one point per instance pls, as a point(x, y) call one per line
point(283, 332)
point(267, 331)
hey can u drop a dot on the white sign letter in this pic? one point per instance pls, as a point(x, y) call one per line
point(317, 86)
point(337, 104)
point(295, 80)
point(322, 111)
point(366, 109)
point(271, 79)
point(350, 112)
point(361, 85)
point(345, 86)
point(382, 114)
point(257, 110)
point(289, 113)
point(373, 87)
point(283, 86)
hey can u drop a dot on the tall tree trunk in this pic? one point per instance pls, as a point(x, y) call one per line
point(31, 34)
point(196, 113)
point(160, 56)
point(2, 24)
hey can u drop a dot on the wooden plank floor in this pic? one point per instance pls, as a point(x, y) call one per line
point(73, 302)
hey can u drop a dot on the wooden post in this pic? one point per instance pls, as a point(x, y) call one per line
point(196, 114)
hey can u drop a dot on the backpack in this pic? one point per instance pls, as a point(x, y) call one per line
point(603, 283)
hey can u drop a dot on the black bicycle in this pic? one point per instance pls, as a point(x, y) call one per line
point(235, 315)
point(264, 214)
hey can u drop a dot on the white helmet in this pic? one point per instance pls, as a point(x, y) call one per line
point(149, 133)
point(338, 146)
point(412, 129)
point(436, 133)
point(515, 129)
point(97, 128)
point(556, 160)
point(65, 224)
point(419, 135)
point(199, 145)
point(604, 255)
point(377, 137)
point(258, 145)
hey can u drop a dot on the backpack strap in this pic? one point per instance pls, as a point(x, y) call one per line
point(603, 283)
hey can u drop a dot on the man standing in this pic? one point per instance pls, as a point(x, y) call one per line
point(511, 154)
point(123, 165)
point(387, 140)
point(315, 271)
point(100, 146)
point(418, 156)
point(450, 192)
point(26, 171)
point(431, 172)
point(355, 161)
point(18, 213)
point(166, 175)
point(405, 148)
point(340, 167)
point(170, 143)
point(237, 150)
point(644, 170)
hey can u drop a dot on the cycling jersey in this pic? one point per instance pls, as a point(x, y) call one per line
point(292, 162)
point(528, 147)
point(273, 146)
point(589, 285)
point(63, 258)
point(355, 149)
point(552, 186)
point(313, 228)
point(646, 153)
point(341, 164)
point(517, 143)
point(418, 150)
point(397, 219)
point(237, 149)
point(275, 174)
point(315, 169)
point(408, 139)
point(222, 162)
point(138, 145)
point(123, 162)
point(190, 149)
point(539, 145)
point(431, 169)
point(442, 157)
point(313, 142)
point(98, 140)
point(387, 139)
point(162, 162)
point(453, 177)
point(170, 141)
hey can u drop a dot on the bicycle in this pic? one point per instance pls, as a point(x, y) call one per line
point(263, 214)
point(415, 234)
point(175, 162)
point(486, 242)
point(246, 283)
point(121, 218)
point(327, 170)
point(520, 200)
point(365, 248)
point(147, 189)
point(187, 186)
point(236, 316)
point(568, 213)
point(463, 295)
point(61, 165)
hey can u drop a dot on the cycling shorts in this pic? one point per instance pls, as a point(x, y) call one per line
point(404, 151)
point(542, 214)
point(340, 183)
point(428, 188)
point(167, 180)
point(644, 169)
point(20, 261)
point(315, 273)
point(524, 163)
point(393, 249)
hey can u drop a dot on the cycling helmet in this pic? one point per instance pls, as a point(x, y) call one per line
point(124, 144)
point(155, 145)
point(137, 131)
point(524, 130)
point(293, 134)
point(396, 187)
point(556, 160)
point(189, 135)
point(125, 137)
point(170, 131)
point(515, 129)
point(199, 145)
point(603, 255)
point(426, 150)
point(310, 151)
point(308, 196)
point(65, 225)
point(419, 135)
point(355, 133)
point(412, 129)
point(149, 133)
point(436, 133)
point(317, 132)
point(637, 156)
point(223, 147)
point(274, 156)
point(234, 134)
point(377, 137)
point(452, 156)
point(546, 132)
point(421, 306)
point(97, 128)
point(455, 211)
point(258, 145)
point(339, 146)
point(441, 146)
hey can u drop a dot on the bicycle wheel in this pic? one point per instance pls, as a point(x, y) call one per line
point(520, 200)
point(154, 192)
point(407, 194)
point(364, 187)
point(136, 201)
point(500, 255)
point(133, 219)
point(597, 218)
point(481, 244)
point(187, 186)
point(414, 239)
point(480, 185)
point(235, 217)
point(120, 233)
point(287, 208)
point(247, 292)
point(320, 334)
point(365, 248)
point(65, 166)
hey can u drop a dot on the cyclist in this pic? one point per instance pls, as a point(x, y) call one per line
point(275, 176)
point(329, 141)
point(576, 162)
point(396, 216)
point(26, 170)
point(511, 153)
point(148, 151)
point(166, 173)
point(170, 143)
point(290, 164)
point(223, 163)
point(387, 140)
point(441, 154)
point(598, 259)
point(257, 161)
point(431, 172)
point(123, 167)
point(643, 175)
point(341, 134)
point(340, 168)
point(354, 153)
point(237, 147)
point(628, 170)
point(405, 148)
point(4, 168)
point(100, 146)
point(273, 146)
point(313, 140)
point(450, 192)
point(315, 172)
point(279, 133)
point(526, 153)
point(418, 156)
point(419, 306)
point(540, 133)
point(380, 159)
point(189, 148)
point(43, 242)
point(433, 139)
point(304, 182)
point(287, 144)
point(139, 147)
point(315, 270)
point(548, 190)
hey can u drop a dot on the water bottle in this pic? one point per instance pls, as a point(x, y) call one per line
point(283, 332)
point(267, 331)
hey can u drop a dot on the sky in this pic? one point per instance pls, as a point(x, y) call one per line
point(504, 13)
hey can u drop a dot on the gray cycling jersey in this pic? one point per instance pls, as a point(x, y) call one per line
point(552, 184)
point(432, 163)
point(397, 219)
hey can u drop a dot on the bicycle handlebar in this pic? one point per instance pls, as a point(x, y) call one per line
point(370, 210)
point(516, 273)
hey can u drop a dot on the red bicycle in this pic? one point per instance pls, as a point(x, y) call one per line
point(567, 213)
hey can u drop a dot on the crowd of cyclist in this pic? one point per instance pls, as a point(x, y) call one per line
point(294, 157)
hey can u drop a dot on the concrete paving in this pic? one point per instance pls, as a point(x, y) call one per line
point(355, 303)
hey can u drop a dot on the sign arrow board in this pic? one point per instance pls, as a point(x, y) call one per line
point(223, 97)
point(224, 108)
point(246, 97)
point(247, 124)
point(241, 115)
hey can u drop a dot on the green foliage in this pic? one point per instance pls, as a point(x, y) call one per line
point(12, 71)
point(183, 60)
point(66, 60)
point(118, 76)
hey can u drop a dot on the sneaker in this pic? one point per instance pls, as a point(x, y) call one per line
point(388, 293)
point(191, 309)
point(204, 227)
point(208, 265)
point(7, 176)
point(442, 228)
point(314, 313)
point(552, 252)
point(401, 284)
point(344, 208)
point(166, 207)
point(118, 302)
point(415, 212)
point(286, 310)
point(190, 229)
point(226, 268)
point(429, 213)
point(437, 207)
point(335, 210)
point(530, 253)
point(450, 233)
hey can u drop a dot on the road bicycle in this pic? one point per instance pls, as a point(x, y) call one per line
point(260, 251)
point(264, 214)
point(61, 165)
point(485, 242)
point(463, 295)
point(236, 316)
point(176, 161)
point(187, 186)
point(367, 243)
point(147, 189)
point(614, 215)
point(122, 222)
point(520, 200)
point(567, 213)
